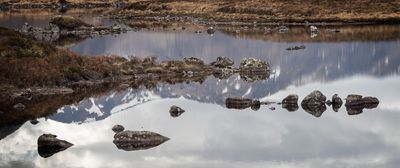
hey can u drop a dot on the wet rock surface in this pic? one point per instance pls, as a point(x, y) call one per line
point(118, 128)
point(355, 104)
point(138, 140)
point(314, 103)
point(242, 103)
point(176, 111)
point(48, 145)
point(290, 102)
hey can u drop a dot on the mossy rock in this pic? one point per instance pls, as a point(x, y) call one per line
point(67, 22)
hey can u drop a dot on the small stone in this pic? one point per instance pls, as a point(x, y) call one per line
point(118, 128)
point(272, 108)
point(175, 111)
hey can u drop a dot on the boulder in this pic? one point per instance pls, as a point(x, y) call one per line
point(356, 103)
point(222, 62)
point(313, 29)
point(67, 22)
point(336, 102)
point(118, 128)
point(291, 99)
point(253, 63)
point(290, 103)
point(48, 145)
point(138, 140)
point(242, 103)
point(314, 103)
point(176, 111)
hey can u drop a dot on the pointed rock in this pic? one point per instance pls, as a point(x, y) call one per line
point(176, 111)
point(48, 145)
point(314, 103)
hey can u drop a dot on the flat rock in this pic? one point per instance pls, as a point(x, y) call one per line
point(118, 128)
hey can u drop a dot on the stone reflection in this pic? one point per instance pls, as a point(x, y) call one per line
point(138, 140)
point(48, 145)
point(314, 103)
point(355, 104)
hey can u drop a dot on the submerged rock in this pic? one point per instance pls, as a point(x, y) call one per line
point(314, 103)
point(48, 145)
point(290, 103)
point(302, 47)
point(176, 111)
point(118, 128)
point(138, 140)
point(222, 62)
point(242, 103)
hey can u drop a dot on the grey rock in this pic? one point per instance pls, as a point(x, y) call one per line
point(314, 103)
point(290, 99)
point(193, 60)
point(301, 47)
point(355, 104)
point(336, 102)
point(48, 145)
point(210, 30)
point(222, 62)
point(176, 111)
point(118, 128)
point(138, 140)
point(34, 122)
point(242, 103)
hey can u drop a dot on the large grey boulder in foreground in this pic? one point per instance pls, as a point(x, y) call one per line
point(138, 140)
point(48, 145)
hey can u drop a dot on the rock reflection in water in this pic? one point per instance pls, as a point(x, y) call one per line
point(355, 104)
point(138, 140)
point(48, 145)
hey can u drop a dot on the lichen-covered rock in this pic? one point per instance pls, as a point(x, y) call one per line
point(138, 140)
point(223, 73)
point(118, 128)
point(176, 111)
point(48, 145)
point(253, 63)
point(222, 62)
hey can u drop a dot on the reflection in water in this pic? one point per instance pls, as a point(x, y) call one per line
point(213, 136)
point(48, 145)
point(138, 140)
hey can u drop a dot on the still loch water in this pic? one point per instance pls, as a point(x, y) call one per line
point(210, 135)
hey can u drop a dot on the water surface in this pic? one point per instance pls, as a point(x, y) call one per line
point(210, 135)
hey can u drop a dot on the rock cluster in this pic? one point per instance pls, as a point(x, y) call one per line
point(242, 103)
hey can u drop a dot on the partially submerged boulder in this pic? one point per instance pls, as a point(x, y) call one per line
point(242, 103)
point(290, 102)
point(48, 145)
point(138, 140)
point(67, 22)
point(252, 69)
point(356, 103)
point(336, 102)
point(314, 103)
point(176, 111)
point(222, 62)
point(301, 47)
